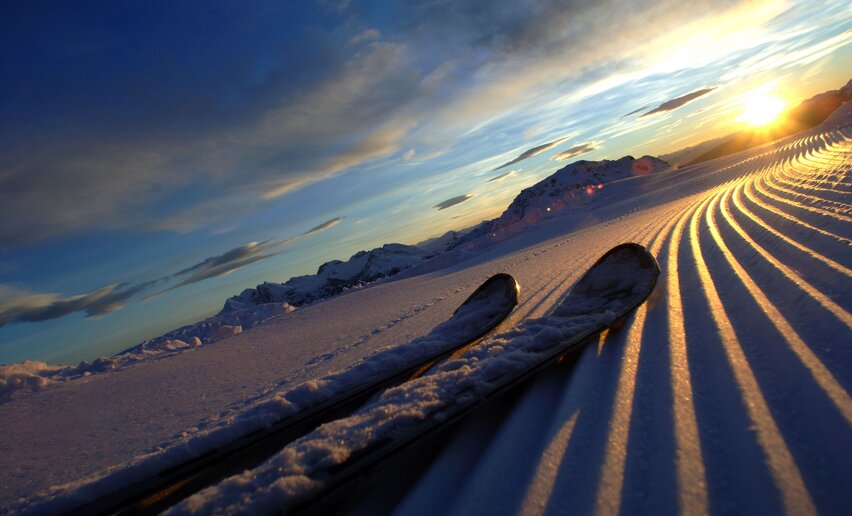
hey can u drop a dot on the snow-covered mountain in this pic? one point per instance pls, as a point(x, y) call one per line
point(332, 278)
point(570, 186)
point(442, 243)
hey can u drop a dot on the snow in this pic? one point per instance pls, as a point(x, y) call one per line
point(331, 278)
point(727, 391)
point(298, 471)
point(467, 322)
point(34, 375)
point(569, 189)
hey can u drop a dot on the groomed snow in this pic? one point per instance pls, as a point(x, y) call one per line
point(34, 375)
point(467, 323)
point(300, 470)
point(727, 391)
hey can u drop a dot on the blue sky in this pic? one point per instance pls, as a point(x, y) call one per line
point(194, 149)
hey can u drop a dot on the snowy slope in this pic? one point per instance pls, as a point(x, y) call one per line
point(35, 375)
point(568, 189)
point(728, 391)
point(332, 278)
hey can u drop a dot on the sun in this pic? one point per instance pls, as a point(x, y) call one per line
point(762, 110)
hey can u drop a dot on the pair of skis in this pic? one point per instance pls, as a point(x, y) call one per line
point(615, 285)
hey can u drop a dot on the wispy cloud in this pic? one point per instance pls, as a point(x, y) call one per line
point(322, 227)
point(675, 103)
point(227, 262)
point(532, 152)
point(503, 176)
point(443, 205)
point(18, 305)
point(369, 91)
point(237, 258)
point(643, 108)
point(583, 148)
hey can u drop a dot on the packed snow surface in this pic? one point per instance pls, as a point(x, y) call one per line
point(484, 309)
point(34, 375)
point(728, 391)
point(302, 468)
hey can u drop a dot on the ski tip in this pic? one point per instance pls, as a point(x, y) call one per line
point(501, 285)
point(631, 250)
point(627, 268)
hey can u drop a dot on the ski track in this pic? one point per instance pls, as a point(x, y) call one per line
point(728, 391)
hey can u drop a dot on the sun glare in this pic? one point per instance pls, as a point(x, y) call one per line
point(762, 110)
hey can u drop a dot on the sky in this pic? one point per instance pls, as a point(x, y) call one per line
point(158, 157)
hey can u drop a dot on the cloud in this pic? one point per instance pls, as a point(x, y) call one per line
point(236, 258)
point(322, 227)
point(504, 176)
point(576, 150)
point(349, 110)
point(675, 103)
point(643, 108)
point(452, 202)
point(367, 36)
point(223, 264)
point(532, 152)
point(17, 305)
point(227, 262)
point(104, 150)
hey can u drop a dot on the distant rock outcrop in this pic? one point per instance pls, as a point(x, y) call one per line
point(553, 194)
point(332, 278)
point(442, 243)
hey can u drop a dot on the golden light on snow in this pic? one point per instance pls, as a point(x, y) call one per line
point(762, 110)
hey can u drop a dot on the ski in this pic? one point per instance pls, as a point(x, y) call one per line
point(480, 313)
point(310, 468)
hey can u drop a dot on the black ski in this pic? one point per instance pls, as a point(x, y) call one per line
point(615, 285)
point(486, 307)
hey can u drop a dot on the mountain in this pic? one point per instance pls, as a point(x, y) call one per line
point(442, 243)
point(689, 154)
point(332, 278)
point(810, 113)
point(550, 196)
point(562, 190)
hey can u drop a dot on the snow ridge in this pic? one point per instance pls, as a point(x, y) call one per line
point(563, 190)
point(331, 278)
point(260, 413)
point(34, 375)
point(301, 469)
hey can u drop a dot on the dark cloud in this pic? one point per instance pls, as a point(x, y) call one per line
point(223, 264)
point(452, 202)
point(226, 262)
point(576, 150)
point(322, 227)
point(236, 258)
point(108, 121)
point(502, 176)
point(532, 152)
point(672, 104)
point(239, 257)
point(20, 306)
point(106, 150)
point(643, 108)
